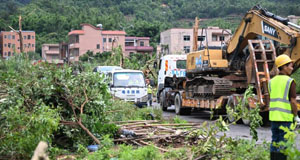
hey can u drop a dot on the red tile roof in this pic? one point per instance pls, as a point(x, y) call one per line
point(76, 32)
point(114, 32)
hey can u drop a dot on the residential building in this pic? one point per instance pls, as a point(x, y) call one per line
point(51, 53)
point(10, 42)
point(180, 40)
point(294, 19)
point(137, 45)
point(113, 39)
point(94, 39)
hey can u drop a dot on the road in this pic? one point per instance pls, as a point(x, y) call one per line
point(238, 131)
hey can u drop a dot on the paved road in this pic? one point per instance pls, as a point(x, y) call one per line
point(237, 131)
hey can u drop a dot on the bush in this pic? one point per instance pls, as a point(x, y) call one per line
point(40, 96)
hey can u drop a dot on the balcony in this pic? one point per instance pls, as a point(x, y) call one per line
point(74, 45)
point(52, 52)
point(139, 48)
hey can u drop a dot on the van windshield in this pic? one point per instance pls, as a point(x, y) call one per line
point(128, 79)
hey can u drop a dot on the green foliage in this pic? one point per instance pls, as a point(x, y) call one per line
point(123, 111)
point(22, 130)
point(176, 154)
point(241, 110)
point(179, 120)
point(134, 61)
point(52, 20)
point(291, 142)
point(82, 151)
point(296, 77)
point(211, 146)
point(125, 152)
point(41, 96)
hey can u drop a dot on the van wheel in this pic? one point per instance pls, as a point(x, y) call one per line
point(179, 110)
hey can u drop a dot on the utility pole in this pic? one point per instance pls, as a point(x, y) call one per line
point(19, 33)
point(195, 34)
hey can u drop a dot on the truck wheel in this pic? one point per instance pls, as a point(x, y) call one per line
point(230, 116)
point(179, 110)
point(162, 101)
point(246, 121)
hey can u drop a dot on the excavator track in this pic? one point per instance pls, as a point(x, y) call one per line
point(204, 87)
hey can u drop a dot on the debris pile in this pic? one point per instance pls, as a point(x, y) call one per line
point(146, 132)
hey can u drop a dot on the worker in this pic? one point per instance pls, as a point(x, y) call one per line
point(149, 92)
point(283, 104)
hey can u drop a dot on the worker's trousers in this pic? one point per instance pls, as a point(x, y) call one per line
point(149, 102)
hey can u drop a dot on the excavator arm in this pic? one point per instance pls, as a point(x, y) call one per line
point(259, 22)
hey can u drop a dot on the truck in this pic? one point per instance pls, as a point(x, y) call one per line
point(215, 78)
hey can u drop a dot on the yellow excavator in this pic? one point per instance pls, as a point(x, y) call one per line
point(215, 77)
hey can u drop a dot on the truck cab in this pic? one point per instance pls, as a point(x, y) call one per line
point(171, 68)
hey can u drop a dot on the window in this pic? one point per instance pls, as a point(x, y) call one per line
point(104, 40)
point(98, 46)
point(5, 54)
point(5, 36)
point(186, 49)
point(29, 45)
point(8, 53)
point(9, 36)
point(13, 37)
point(5, 45)
point(32, 45)
point(109, 40)
point(32, 37)
point(8, 45)
point(201, 38)
point(18, 40)
point(142, 43)
point(28, 37)
point(181, 64)
point(55, 57)
point(221, 38)
point(186, 38)
point(214, 38)
point(24, 37)
point(24, 45)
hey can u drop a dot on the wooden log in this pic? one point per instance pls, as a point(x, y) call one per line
point(132, 121)
point(145, 138)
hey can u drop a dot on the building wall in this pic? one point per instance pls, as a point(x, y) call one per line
point(178, 42)
point(90, 38)
point(113, 41)
point(137, 45)
point(10, 42)
point(50, 52)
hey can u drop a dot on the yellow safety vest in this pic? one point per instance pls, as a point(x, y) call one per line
point(149, 88)
point(280, 105)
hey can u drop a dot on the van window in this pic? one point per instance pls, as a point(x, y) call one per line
point(128, 79)
point(181, 64)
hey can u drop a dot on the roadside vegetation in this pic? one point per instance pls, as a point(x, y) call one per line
point(70, 111)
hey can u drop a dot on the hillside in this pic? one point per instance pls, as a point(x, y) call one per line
point(52, 20)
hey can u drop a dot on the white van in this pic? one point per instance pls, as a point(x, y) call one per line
point(128, 85)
